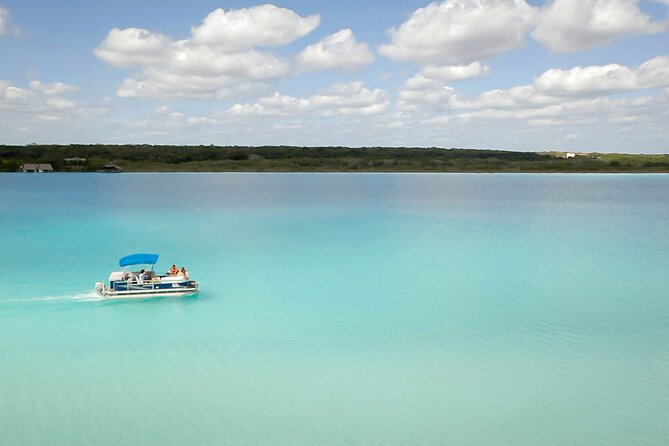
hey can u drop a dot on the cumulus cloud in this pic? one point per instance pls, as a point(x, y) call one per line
point(420, 93)
point(515, 98)
point(218, 60)
point(457, 31)
point(52, 89)
point(4, 20)
point(200, 72)
point(517, 119)
point(597, 80)
point(265, 25)
point(555, 86)
point(337, 51)
point(579, 102)
point(573, 25)
point(42, 101)
point(587, 112)
point(133, 47)
point(351, 98)
point(429, 87)
point(343, 114)
point(455, 72)
point(429, 98)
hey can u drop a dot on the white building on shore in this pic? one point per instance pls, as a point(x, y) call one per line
point(33, 168)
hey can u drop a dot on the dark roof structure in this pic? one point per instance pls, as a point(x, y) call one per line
point(110, 167)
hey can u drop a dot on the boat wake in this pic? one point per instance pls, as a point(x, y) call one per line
point(89, 296)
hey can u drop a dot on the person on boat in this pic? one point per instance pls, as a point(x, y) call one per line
point(184, 272)
point(174, 270)
point(141, 277)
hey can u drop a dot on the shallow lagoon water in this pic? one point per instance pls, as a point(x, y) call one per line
point(394, 309)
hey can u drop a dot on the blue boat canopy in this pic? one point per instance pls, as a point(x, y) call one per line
point(138, 259)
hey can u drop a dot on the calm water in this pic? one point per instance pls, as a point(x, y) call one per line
point(338, 309)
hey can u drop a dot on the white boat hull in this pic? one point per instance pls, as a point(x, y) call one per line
point(145, 291)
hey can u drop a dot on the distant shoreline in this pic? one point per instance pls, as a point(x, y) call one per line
point(397, 172)
point(285, 159)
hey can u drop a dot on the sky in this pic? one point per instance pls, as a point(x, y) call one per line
point(536, 75)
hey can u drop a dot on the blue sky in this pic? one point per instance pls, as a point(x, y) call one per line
point(582, 75)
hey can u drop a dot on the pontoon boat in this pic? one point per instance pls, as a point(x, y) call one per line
point(145, 282)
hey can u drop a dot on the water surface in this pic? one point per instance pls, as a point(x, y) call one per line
point(394, 309)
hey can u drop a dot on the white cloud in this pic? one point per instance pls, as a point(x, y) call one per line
point(133, 47)
point(558, 103)
point(425, 95)
point(573, 25)
point(166, 112)
point(4, 20)
point(456, 31)
point(590, 124)
point(515, 98)
point(240, 29)
point(428, 98)
point(336, 51)
point(217, 61)
point(52, 89)
point(201, 72)
point(429, 86)
point(351, 98)
point(597, 80)
point(420, 92)
point(341, 99)
point(588, 112)
point(60, 103)
point(506, 119)
point(448, 73)
point(41, 101)
point(344, 114)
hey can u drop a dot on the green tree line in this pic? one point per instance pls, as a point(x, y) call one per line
point(291, 158)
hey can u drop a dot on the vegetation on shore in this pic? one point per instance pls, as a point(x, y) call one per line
point(149, 158)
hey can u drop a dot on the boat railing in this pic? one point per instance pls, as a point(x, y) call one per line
point(134, 284)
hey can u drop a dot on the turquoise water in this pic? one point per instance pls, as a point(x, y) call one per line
point(338, 309)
